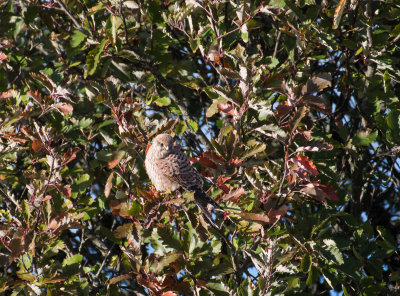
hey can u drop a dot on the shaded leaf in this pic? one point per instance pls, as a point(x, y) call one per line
point(315, 146)
point(364, 138)
point(338, 14)
point(317, 83)
point(93, 58)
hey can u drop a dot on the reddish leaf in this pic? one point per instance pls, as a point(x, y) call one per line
point(224, 188)
point(12, 137)
point(3, 56)
point(275, 215)
point(120, 208)
point(206, 162)
point(117, 157)
point(53, 224)
point(107, 188)
point(64, 107)
point(235, 161)
point(317, 103)
point(66, 190)
point(221, 180)
point(36, 145)
point(119, 278)
point(283, 110)
point(53, 280)
point(147, 148)
point(6, 95)
point(17, 245)
point(320, 192)
point(256, 217)
point(47, 197)
point(330, 191)
point(317, 83)
point(201, 283)
point(338, 14)
point(226, 108)
point(214, 156)
point(206, 173)
point(70, 155)
point(36, 96)
point(234, 194)
point(169, 293)
point(304, 163)
point(148, 194)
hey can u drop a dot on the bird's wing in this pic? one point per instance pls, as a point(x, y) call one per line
point(176, 167)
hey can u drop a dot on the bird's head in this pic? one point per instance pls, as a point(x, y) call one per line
point(162, 144)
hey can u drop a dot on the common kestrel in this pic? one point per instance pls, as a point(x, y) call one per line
point(169, 168)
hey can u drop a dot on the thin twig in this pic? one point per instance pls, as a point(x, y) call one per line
point(63, 8)
point(123, 21)
point(4, 195)
point(278, 38)
point(104, 261)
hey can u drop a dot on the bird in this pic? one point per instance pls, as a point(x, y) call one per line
point(169, 169)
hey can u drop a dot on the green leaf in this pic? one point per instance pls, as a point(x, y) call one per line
point(331, 246)
point(123, 231)
point(193, 124)
point(364, 138)
point(393, 122)
point(163, 101)
point(167, 260)
point(3, 80)
point(135, 210)
point(218, 288)
point(77, 38)
point(338, 14)
point(180, 128)
point(313, 275)
point(93, 58)
point(345, 293)
point(305, 263)
point(253, 150)
point(169, 238)
point(112, 25)
point(71, 264)
point(26, 210)
point(213, 109)
point(386, 81)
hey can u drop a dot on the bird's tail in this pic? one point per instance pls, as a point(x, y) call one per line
point(203, 198)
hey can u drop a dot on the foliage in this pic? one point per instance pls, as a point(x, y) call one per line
point(289, 108)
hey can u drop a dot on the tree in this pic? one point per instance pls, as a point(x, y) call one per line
point(290, 109)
